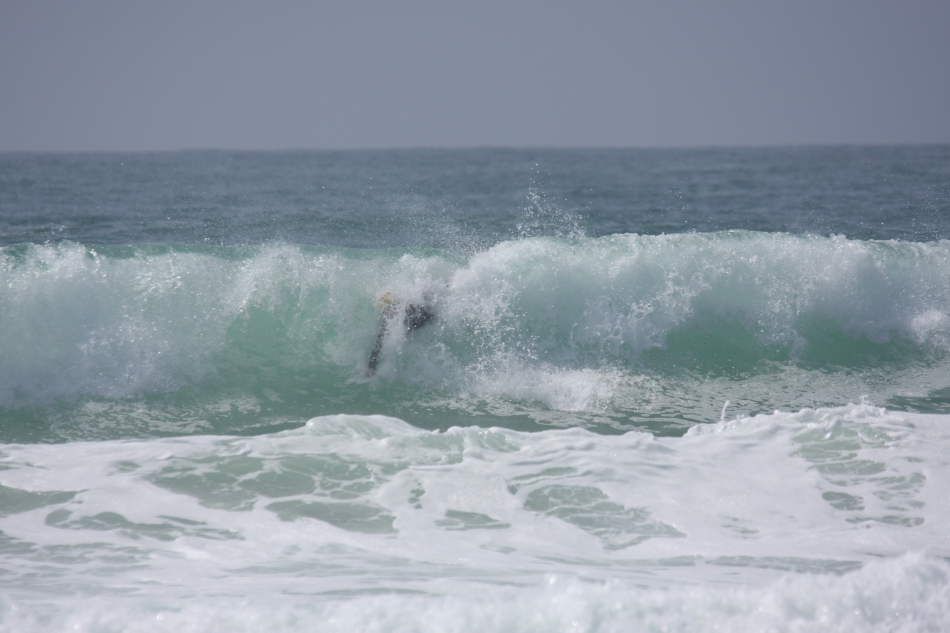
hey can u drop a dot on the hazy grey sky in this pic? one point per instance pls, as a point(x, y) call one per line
point(130, 74)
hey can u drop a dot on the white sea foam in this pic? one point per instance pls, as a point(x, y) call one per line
point(572, 390)
point(778, 521)
point(910, 594)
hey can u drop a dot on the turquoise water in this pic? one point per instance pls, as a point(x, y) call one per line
point(654, 379)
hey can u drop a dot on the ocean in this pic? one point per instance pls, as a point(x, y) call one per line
point(653, 390)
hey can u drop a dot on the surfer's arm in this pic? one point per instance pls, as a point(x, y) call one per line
point(387, 307)
point(373, 361)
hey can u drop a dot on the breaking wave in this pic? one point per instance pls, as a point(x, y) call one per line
point(579, 324)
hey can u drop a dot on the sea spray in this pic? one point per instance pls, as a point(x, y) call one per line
point(616, 325)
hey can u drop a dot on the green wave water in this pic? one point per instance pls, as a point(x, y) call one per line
point(618, 332)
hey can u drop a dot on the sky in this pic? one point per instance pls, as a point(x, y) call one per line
point(173, 74)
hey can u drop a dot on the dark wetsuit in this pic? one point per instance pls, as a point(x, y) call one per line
point(416, 315)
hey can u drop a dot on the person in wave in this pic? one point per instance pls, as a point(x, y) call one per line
point(415, 315)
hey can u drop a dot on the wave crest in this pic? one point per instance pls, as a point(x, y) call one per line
point(569, 323)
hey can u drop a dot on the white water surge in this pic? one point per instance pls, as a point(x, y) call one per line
point(831, 519)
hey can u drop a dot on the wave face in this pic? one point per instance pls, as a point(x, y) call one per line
point(369, 523)
point(628, 330)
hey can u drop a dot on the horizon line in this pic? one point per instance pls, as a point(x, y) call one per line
point(488, 147)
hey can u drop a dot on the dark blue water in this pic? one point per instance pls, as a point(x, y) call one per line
point(438, 197)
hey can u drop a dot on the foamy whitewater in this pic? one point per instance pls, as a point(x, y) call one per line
point(691, 390)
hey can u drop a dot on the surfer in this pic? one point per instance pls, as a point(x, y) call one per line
point(415, 315)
